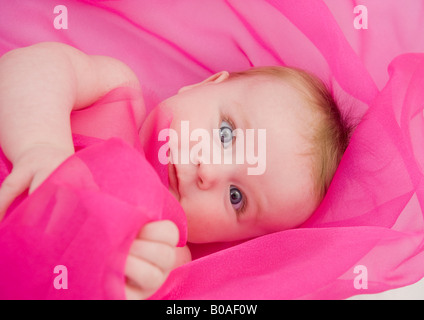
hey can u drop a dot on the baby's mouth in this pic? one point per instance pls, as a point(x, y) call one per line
point(173, 181)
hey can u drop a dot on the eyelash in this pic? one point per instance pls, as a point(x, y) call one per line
point(228, 119)
point(243, 207)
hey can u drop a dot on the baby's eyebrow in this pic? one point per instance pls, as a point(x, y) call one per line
point(245, 123)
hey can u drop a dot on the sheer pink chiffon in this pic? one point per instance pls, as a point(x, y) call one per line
point(87, 213)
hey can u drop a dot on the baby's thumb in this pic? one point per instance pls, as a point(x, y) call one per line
point(14, 184)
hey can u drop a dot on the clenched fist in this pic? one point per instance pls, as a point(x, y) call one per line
point(152, 257)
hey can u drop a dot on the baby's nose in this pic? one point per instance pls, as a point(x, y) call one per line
point(207, 175)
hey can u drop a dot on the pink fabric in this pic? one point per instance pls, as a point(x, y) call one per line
point(372, 215)
point(87, 213)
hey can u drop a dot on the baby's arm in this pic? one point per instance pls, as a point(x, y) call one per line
point(39, 87)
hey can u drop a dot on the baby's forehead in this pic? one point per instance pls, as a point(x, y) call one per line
point(266, 80)
point(270, 102)
point(276, 89)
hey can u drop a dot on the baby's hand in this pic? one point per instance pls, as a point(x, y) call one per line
point(30, 169)
point(152, 257)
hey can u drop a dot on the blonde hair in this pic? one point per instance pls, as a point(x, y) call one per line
point(330, 136)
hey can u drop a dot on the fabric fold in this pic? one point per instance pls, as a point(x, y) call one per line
point(371, 218)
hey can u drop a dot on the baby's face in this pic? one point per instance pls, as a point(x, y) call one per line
point(223, 201)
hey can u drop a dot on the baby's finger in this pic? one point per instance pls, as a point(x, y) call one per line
point(161, 255)
point(164, 231)
point(14, 184)
point(143, 274)
point(133, 292)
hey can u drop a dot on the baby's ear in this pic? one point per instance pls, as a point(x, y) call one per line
point(216, 78)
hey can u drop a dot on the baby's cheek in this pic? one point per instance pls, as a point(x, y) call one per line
point(203, 226)
point(199, 228)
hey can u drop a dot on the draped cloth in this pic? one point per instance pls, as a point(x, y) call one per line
point(365, 237)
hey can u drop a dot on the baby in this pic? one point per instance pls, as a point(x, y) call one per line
point(305, 139)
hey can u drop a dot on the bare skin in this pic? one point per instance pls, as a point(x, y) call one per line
point(35, 135)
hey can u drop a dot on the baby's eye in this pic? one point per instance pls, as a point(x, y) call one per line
point(226, 134)
point(236, 198)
